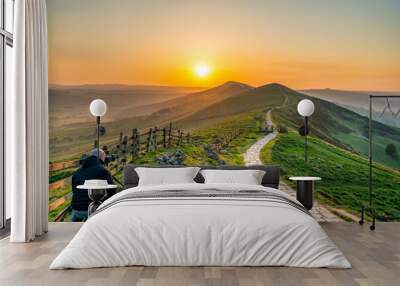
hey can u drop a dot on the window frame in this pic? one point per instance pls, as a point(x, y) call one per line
point(6, 39)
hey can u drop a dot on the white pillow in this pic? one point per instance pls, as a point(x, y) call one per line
point(248, 177)
point(166, 176)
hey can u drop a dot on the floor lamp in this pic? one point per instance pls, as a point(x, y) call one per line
point(98, 108)
point(305, 108)
point(369, 207)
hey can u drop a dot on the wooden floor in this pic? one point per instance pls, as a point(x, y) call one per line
point(375, 257)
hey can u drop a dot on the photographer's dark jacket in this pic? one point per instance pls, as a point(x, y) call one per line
point(91, 169)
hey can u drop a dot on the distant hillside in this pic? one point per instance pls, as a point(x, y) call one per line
point(70, 104)
point(78, 134)
point(269, 95)
point(358, 101)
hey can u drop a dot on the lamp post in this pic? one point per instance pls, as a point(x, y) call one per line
point(98, 108)
point(305, 108)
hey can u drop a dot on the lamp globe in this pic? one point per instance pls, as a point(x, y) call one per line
point(305, 107)
point(98, 107)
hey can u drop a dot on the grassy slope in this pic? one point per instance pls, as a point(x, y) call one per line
point(344, 175)
point(194, 151)
point(250, 124)
point(195, 155)
point(330, 122)
point(343, 128)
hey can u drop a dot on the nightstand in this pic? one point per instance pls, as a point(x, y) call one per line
point(96, 194)
point(305, 187)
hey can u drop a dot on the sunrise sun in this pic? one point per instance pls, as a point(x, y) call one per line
point(202, 70)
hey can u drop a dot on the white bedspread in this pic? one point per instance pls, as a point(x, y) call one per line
point(200, 231)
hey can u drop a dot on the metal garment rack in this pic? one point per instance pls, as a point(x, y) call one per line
point(369, 208)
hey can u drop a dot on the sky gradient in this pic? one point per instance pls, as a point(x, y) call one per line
point(343, 44)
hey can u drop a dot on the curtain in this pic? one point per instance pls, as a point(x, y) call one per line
point(27, 124)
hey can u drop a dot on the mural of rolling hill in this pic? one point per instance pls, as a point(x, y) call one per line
point(330, 122)
point(226, 120)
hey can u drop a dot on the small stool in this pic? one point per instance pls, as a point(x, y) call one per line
point(305, 188)
point(96, 194)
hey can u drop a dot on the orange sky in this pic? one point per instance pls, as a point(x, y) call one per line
point(301, 43)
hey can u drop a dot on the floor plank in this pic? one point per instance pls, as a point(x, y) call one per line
point(375, 257)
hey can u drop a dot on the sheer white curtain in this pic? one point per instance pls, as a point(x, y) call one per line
point(27, 124)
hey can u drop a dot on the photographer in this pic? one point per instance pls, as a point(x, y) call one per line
point(92, 167)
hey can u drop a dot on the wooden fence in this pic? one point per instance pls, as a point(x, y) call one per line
point(127, 148)
point(63, 165)
point(131, 148)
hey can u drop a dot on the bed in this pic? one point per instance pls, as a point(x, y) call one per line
point(201, 224)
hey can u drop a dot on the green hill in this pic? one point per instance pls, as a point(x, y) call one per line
point(333, 123)
point(344, 128)
point(270, 95)
point(344, 174)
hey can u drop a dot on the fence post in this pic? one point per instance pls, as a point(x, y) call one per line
point(133, 147)
point(149, 140)
point(180, 137)
point(155, 138)
point(169, 134)
point(164, 137)
point(124, 149)
point(188, 138)
point(105, 149)
point(119, 149)
point(117, 155)
point(138, 146)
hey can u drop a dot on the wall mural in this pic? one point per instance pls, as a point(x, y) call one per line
point(199, 82)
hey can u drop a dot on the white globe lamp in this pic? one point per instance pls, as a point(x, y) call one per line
point(98, 108)
point(305, 108)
